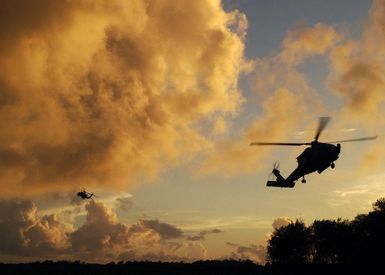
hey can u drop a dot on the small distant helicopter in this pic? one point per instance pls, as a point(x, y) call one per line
point(318, 157)
point(85, 195)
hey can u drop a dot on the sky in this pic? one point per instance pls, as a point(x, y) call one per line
point(152, 105)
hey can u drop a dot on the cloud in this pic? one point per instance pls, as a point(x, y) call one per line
point(186, 252)
point(201, 235)
point(281, 69)
point(360, 193)
point(358, 76)
point(281, 222)
point(256, 253)
point(304, 41)
point(285, 97)
point(358, 67)
point(103, 238)
point(100, 233)
point(163, 230)
point(100, 238)
point(112, 93)
point(124, 204)
point(358, 79)
point(24, 233)
point(234, 155)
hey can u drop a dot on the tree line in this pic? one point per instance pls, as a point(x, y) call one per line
point(348, 242)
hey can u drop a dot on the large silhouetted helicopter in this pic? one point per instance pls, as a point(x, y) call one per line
point(317, 157)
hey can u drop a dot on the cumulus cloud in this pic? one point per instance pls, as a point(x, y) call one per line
point(100, 233)
point(304, 41)
point(201, 235)
point(24, 233)
point(186, 252)
point(100, 238)
point(103, 238)
point(285, 97)
point(358, 67)
point(107, 92)
point(256, 253)
point(358, 77)
point(163, 230)
point(281, 69)
point(234, 155)
point(124, 204)
point(281, 222)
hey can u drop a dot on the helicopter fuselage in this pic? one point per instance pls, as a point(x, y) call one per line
point(318, 157)
point(85, 195)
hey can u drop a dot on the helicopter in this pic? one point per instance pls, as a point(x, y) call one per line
point(85, 195)
point(318, 157)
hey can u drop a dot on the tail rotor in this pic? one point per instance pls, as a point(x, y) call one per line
point(275, 167)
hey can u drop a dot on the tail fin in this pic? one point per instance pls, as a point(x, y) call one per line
point(277, 174)
point(280, 182)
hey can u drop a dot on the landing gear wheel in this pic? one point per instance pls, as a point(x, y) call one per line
point(332, 165)
point(303, 180)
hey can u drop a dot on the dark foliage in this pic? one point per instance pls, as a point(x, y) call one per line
point(332, 241)
point(198, 268)
point(74, 268)
point(290, 244)
point(357, 242)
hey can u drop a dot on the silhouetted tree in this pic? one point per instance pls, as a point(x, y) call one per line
point(332, 241)
point(290, 244)
point(379, 205)
point(369, 234)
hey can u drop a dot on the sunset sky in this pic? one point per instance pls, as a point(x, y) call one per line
point(152, 105)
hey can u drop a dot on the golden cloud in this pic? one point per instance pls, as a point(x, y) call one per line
point(102, 238)
point(281, 222)
point(25, 234)
point(358, 68)
point(304, 41)
point(285, 97)
point(101, 92)
point(358, 76)
point(282, 111)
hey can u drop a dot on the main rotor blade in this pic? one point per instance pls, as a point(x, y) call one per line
point(323, 121)
point(354, 139)
point(279, 143)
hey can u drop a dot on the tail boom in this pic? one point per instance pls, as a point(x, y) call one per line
point(280, 182)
